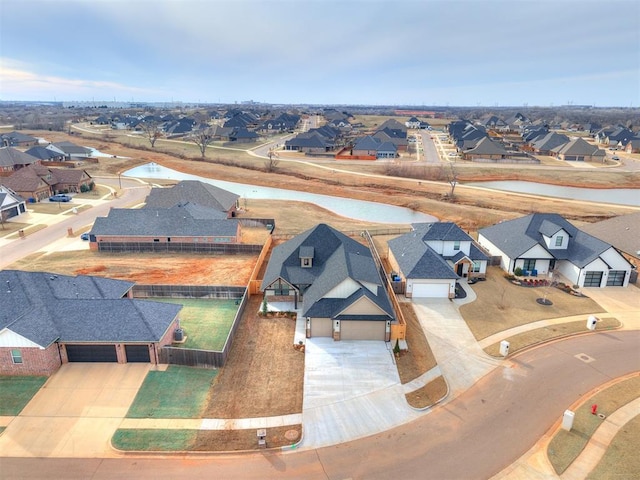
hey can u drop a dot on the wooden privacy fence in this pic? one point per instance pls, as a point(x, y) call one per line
point(191, 358)
point(212, 248)
point(188, 291)
point(399, 330)
point(204, 358)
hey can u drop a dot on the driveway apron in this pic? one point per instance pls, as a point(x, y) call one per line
point(459, 357)
point(351, 390)
point(75, 413)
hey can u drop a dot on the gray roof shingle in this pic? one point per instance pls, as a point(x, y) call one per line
point(45, 307)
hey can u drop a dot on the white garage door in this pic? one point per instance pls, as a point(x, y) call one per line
point(430, 290)
point(362, 330)
point(321, 327)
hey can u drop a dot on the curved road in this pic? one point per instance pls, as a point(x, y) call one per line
point(133, 192)
point(473, 436)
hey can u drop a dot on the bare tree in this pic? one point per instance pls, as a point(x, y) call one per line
point(3, 218)
point(202, 138)
point(152, 130)
point(452, 178)
point(272, 161)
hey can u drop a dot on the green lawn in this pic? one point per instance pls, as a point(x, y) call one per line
point(206, 322)
point(178, 392)
point(565, 446)
point(154, 440)
point(15, 392)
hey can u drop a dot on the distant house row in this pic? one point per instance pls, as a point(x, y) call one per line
point(234, 125)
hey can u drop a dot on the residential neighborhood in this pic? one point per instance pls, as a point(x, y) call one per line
point(361, 304)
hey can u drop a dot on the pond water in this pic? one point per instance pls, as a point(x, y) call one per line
point(356, 209)
point(618, 196)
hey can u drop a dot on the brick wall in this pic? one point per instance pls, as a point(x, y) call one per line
point(34, 361)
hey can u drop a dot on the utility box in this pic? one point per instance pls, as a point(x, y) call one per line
point(591, 322)
point(504, 348)
point(262, 438)
point(567, 420)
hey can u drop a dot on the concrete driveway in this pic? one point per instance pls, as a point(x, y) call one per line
point(623, 303)
point(351, 390)
point(75, 413)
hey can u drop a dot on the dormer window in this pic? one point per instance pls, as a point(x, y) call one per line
point(559, 240)
point(306, 255)
point(456, 245)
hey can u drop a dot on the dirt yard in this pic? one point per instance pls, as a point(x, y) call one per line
point(146, 268)
point(264, 373)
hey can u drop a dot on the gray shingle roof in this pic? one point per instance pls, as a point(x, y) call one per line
point(193, 191)
point(45, 307)
point(515, 237)
point(178, 221)
point(10, 157)
point(417, 260)
point(623, 232)
point(336, 258)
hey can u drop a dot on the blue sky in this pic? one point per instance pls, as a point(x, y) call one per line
point(374, 52)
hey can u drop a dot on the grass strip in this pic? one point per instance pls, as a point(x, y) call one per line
point(16, 392)
point(178, 392)
point(550, 332)
point(154, 440)
point(565, 446)
point(622, 455)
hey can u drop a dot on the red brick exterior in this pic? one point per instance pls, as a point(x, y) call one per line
point(35, 361)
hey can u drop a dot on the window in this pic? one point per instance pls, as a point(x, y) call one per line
point(306, 262)
point(559, 240)
point(529, 264)
point(456, 245)
point(280, 288)
point(16, 356)
point(476, 266)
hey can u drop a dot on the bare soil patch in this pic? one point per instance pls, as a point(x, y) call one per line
point(428, 395)
point(418, 358)
point(264, 373)
point(145, 268)
point(237, 440)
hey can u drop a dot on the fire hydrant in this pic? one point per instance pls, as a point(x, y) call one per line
point(594, 409)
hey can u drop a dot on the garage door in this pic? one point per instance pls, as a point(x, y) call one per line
point(137, 353)
point(91, 353)
point(362, 330)
point(321, 327)
point(430, 290)
point(593, 279)
point(616, 278)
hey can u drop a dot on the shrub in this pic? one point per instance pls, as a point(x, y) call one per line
point(264, 306)
point(396, 348)
point(517, 272)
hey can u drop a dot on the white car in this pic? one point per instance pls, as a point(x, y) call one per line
point(453, 154)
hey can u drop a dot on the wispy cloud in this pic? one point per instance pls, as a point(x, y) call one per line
point(17, 81)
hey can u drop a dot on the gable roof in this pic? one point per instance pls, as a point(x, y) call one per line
point(623, 232)
point(10, 157)
point(177, 221)
point(336, 258)
point(416, 259)
point(44, 307)
point(577, 146)
point(43, 153)
point(192, 191)
point(515, 237)
point(486, 146)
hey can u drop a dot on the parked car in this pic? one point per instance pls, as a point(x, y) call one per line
point(615, 157)
point(60, 197)
point(84, 236)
